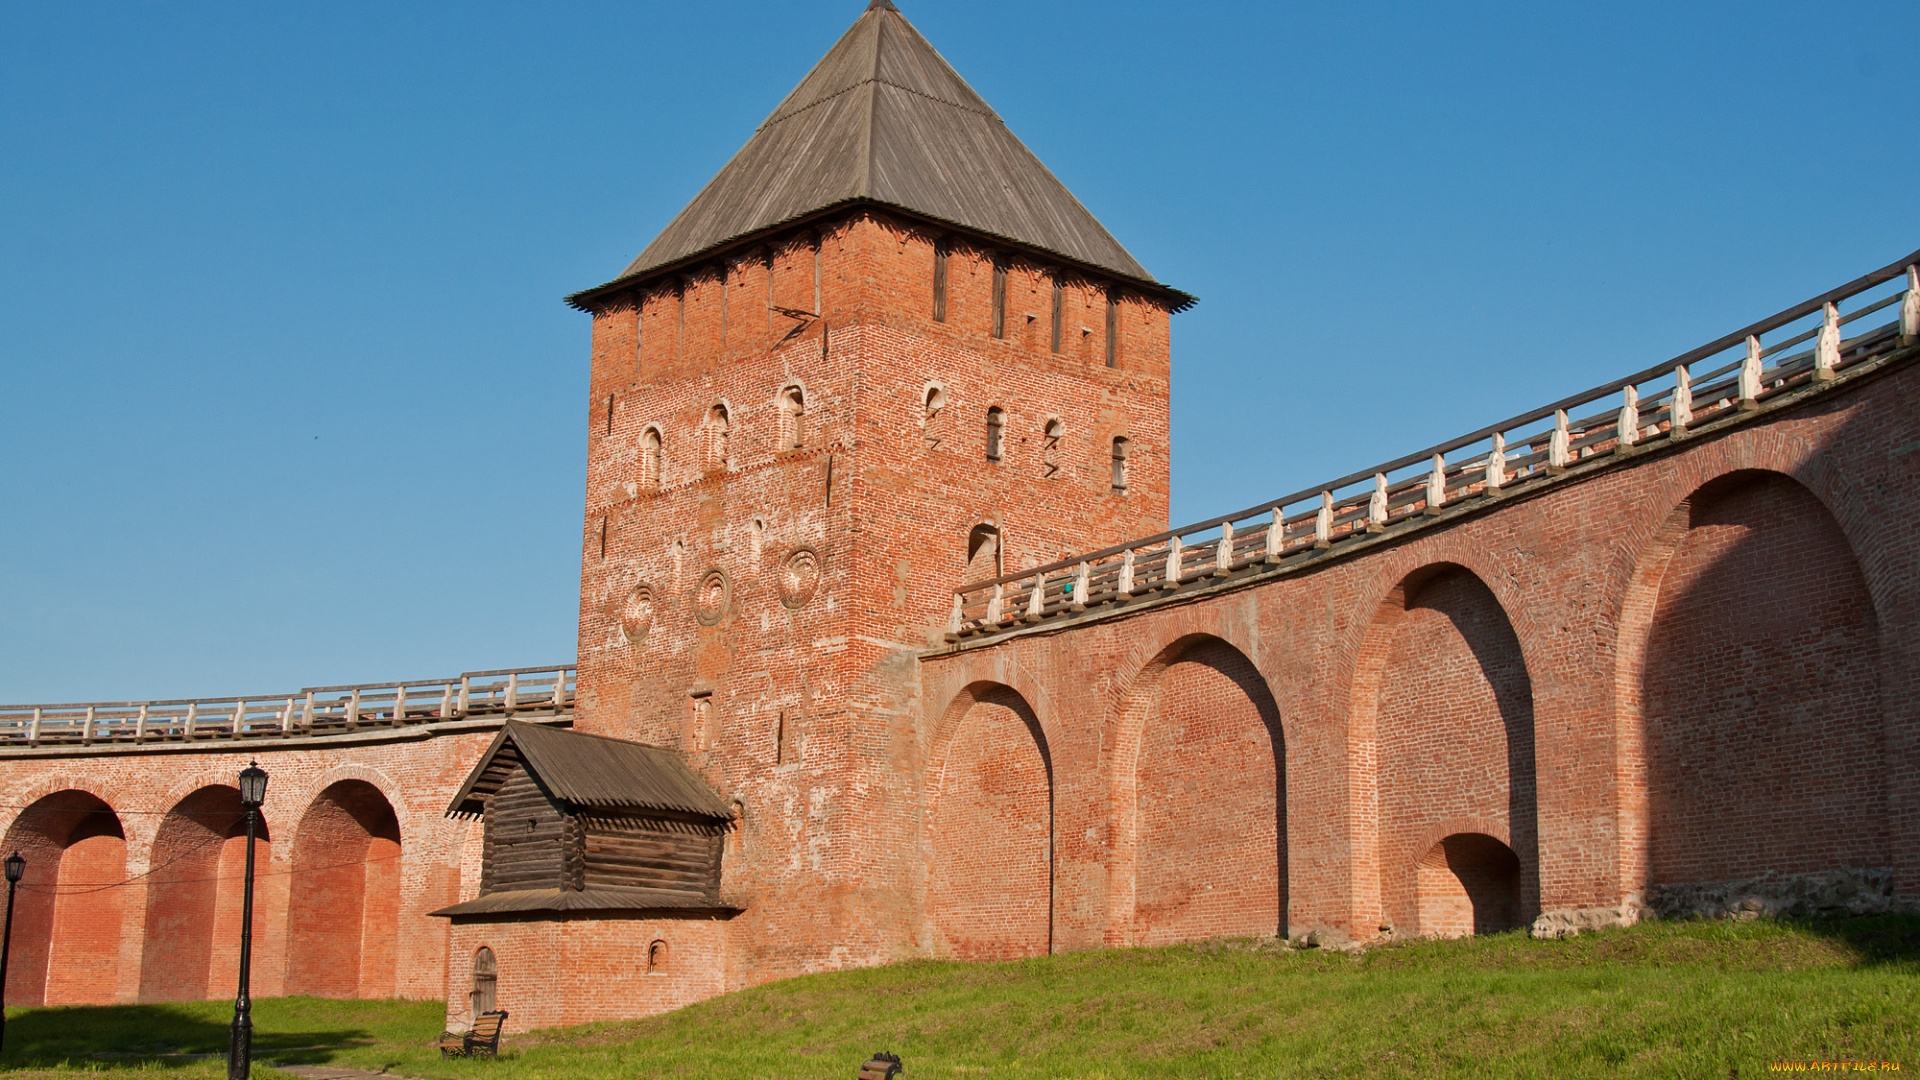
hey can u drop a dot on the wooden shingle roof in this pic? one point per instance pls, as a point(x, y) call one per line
point(589, 773)
point(883, 119)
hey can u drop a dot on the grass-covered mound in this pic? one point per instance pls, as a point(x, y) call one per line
point(1663, 999)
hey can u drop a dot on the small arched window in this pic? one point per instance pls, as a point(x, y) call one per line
point(718, 430)
point(486, 978)
point(983, 553)
point(996, 431)
point(933, 427)
point(1121, 445)
point(793, 418)
point(657, 958)
point(1050, 437)
point(650, 458)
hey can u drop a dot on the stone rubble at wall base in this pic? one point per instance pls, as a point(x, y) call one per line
point(1827, 894)
point(1824, 895)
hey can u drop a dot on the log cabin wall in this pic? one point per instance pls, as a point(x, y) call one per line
point(526, 838)
point(653, 853)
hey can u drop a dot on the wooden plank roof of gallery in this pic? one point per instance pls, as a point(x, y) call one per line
point(884, 119)
point(589, 772)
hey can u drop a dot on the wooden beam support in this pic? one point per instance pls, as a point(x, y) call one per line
point(1750, 375)
point(1826, 349)
point(1681, 413)
point(1436, 486)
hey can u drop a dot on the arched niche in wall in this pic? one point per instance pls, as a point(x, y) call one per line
point(990, 825)
point(1467, 883)
point(1444, 689)
point(933, 407)
point(1209, 797)
point(984, 553)
point(793, 417)
point(199, 855)
point(343, 917)
point(652, 458)
point(716, 435)
point(1763, 739)
point(70, 904)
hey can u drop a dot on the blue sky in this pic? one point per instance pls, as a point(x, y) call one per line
point(291, 398)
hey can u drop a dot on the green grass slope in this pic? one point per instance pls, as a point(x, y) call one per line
point(1663, 999)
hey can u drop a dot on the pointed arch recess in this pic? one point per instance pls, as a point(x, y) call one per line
point(1748, 691)
point(1198, 800)
point(69, 909)
point(1443, 730)
point(990, 824)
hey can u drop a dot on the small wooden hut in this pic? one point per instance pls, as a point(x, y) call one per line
point(577, 822)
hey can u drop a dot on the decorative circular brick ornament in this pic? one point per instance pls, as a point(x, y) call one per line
point(799, 577)
point(711, 597)
point(636, 616)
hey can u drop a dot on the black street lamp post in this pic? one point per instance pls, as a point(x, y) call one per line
point(253, 792)
point(16, 868)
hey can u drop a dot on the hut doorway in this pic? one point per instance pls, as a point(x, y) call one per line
point(486, 979)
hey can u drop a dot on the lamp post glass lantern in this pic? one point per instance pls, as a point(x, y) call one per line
point(253, 786)
point(253, 792)
point(16, 869)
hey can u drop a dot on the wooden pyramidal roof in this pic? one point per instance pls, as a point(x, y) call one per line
point(589, 773)
point(883, 119)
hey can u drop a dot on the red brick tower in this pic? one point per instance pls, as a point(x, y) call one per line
point(884, 341)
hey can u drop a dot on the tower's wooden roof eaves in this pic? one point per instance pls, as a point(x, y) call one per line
point(1177, 300)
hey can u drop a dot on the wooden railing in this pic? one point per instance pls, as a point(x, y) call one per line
point(1812, 342)
point(317, 710)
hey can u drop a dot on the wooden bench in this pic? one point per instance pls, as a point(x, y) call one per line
point(482, 1041)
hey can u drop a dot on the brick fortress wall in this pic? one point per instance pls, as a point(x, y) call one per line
point(1693, 665)
point(1690, 669)
point(135, 859)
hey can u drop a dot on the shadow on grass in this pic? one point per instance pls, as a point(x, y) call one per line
point(1878, 940)
point(152, 1036)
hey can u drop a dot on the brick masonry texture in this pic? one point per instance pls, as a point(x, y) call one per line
point(354, 851)
point(1694, 665)
point(1784, 741)
point(1452, 713)
point(992, 901)
point(1207, 813)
